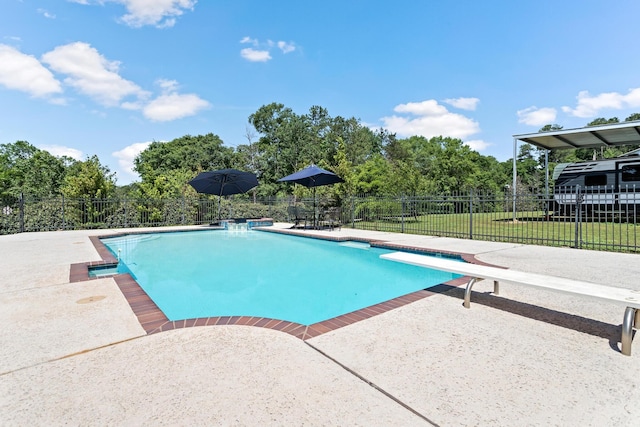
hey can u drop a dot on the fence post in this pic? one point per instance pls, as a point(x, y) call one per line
point(64, 219)
point(471, 215)
point(21, 209)
point(578, 213)
point(124, 208)
point(183, 210)
point(402, 213)
point(353, 213)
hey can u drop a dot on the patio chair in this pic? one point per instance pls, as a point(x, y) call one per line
point(330, 219)
point(297, 215)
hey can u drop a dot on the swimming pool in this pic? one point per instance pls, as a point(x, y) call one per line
point(261, 274)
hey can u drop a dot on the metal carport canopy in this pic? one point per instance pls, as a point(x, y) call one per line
point(610, 135)
point(588, 137)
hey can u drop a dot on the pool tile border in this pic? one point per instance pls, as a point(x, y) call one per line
point(153, 320)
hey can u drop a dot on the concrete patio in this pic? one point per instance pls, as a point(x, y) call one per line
point(75, 353)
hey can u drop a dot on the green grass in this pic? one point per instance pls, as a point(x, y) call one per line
point(530, 227)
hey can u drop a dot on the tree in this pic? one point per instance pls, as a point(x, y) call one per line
point(405, 175)
point(193, 153)
point(360, 142)
point(168, 184)
point(633, 117)
point(289, 142)
point(25, 169)
point(248, 157)
point(345, 170)
point(425, 152)
point(491, 175)
point(282, 141)
point(528, 167)
point(602, 121)
point(319, 146)
point(453, 169)
point(371, 176)
point(88, 179)
point(399, 150)
point(550, 128)
point(404, 179)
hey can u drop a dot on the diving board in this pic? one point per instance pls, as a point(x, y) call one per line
point(620, 296)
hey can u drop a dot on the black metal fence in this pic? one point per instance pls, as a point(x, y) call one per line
point(590, 218)
point(26, 214)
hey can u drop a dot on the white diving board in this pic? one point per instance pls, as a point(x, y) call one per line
point(626, 297)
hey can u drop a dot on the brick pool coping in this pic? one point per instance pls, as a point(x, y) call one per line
point(153, 320)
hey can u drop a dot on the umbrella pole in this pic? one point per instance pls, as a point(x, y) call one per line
point(224, 179)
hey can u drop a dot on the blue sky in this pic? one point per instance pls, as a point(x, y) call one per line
point(107, 77)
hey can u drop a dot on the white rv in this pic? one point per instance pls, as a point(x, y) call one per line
point(598, 186)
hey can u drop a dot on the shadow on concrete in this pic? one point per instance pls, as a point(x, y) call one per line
point(596, 328)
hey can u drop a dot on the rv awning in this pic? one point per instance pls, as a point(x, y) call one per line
point(588, 137)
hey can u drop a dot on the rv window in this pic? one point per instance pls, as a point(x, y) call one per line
point(591, 180)
point(631, 173)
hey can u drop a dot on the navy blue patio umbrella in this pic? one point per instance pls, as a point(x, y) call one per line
point(224, 182)
point(311, 177)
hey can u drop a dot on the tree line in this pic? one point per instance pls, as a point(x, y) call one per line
point(280, 142)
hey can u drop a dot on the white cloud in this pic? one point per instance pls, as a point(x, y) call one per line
point(91, 73)
point(463, 103)
point(477, 144)
point(127, 155)
point(58, 101)
point(590, 106)
point(261, 51)
point(249, 40)
point(534, 116)
point(286, 47)
point(25, 73)
point(160, 13)
point(432, 120)
point(59, 151)
point(255, 55)
point(424, 108)
point(132, 105)
point(46, 14)
point(167, 86)
point(174, 106)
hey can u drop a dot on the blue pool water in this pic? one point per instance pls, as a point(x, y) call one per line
point(261, 274)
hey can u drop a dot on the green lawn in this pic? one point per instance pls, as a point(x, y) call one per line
point(530, 227)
